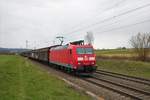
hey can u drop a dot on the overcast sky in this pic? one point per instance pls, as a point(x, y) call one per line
point(112, 22)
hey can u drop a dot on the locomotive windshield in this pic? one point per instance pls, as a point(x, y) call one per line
point(85, 50)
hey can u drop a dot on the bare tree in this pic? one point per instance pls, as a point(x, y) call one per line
point(89, 38)
point(141, 45)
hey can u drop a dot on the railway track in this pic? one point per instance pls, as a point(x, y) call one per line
point(122, 84)
point(125, 77)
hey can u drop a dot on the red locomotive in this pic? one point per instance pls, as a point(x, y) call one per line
point(73, 57)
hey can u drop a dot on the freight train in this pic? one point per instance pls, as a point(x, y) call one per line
point(75, 57)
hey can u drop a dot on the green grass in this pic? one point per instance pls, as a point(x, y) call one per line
point(132, 68)
point(115, 52)
point(22, 80)
point(112, 53)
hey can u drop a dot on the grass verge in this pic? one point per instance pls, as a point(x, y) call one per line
point(132, 68)
point(115, 52)
point(22, 80)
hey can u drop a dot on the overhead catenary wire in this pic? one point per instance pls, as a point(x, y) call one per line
point(110, 18)
point(73, 36)
point(141, 22)
point(118, 28)
point(104, 10)
point(121, 27)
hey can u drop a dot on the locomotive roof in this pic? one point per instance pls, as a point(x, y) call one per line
point(59, 47)
point(82, 45)
point(70, 45)
point(80, 42)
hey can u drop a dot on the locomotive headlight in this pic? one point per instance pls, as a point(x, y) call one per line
point(79, 63)
point(92, 62)
point(91, 58)
point(80, 58)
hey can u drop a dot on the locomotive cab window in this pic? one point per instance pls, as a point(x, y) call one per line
point(80, 51)
point(88, 50)
point(84, 50)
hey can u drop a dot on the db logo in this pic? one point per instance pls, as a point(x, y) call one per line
point(85, 58)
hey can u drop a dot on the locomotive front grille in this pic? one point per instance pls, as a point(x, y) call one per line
point(86, 68)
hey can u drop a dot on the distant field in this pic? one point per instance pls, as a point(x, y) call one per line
point(120, 54)
point(115, 52)
point(132, 68)
point(22, 80)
